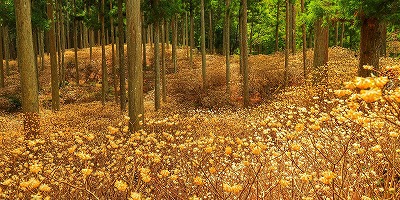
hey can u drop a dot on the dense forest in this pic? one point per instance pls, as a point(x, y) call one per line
point(200, 99)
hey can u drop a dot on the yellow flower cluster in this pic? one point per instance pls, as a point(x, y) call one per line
point(327, 177)
point(236, 188)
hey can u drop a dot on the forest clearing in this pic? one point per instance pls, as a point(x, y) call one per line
point(133, 100)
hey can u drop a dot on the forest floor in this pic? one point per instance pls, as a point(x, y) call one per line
point(188, 110)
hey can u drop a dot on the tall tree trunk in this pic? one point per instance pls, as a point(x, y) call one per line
point(7, 49)
point(240, 38)
point(278, 6)
point(29, 84)
point(41, 49)
point(163, 44)
point(304, 32)
point(383, 31)
point(210, 33)
point(55, 94)
point(144, 43)
point(174, 42)
point(203, 46)
point(166, 27)
point(342, 35)
point(246, 95)
point(287, 43)
point(191, 36)
point(227, 46)
point(320, 51)
point(293, 30)
point(121, 56)
point(251, 38)
point(369, 46)
point(157, 63)
point(336, 33)
point(135, 80)
point(2, 85)
point(104, 85)
point(187, 35)
point(113, 60)
point(62, 73)
point(75, 27)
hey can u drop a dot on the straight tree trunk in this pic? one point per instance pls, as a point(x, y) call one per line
point(75, 27)
point(186, 35)
point(278, 5)
point(113, 60)
point(383, 31)
point(287, 43)
point(174, 42)
point(6, 49)
point(203, 47)
point(304, 32)
point(135, 72)
point(290, 26)
point(144, 44)
point(2, 85)
point(227, 46)
point(369, 46)
point(41, 49)
point(62, 73)
point(246, 95)
point(240, 38)
point(293, 30)
point(191, 37)
point(163, 44)
point(210, 33)
point(55, 94)
point(121, 56)
point(104, 85)
point(320, 51)
point(166, 27)
point(342, 35)
point(336, 33)
point(29, 84)
point(157, 64)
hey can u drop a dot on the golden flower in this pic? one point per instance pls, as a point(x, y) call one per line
point(371, 95)
point(7, 182)
point(136, 196)
point(226, 187)
point(36, 197)
point(295, 146)
point(112, 129)
point(208, 149)
point(198, 180)
point(256, 150)
point(364, 83)
point(236, 189)
point(164, 173)
point(72, 149)
point(394, 134)
point(86, 172)
point(146, 178)
point(341, 93)
point(299, 127)
point(327, 177)
point(376, 148)
point(212, 170)
point(35, 168)
point(44, 188)
point(228, 150)
point(173, 177)
point(120, 185)
point(284, 183)
point(30, 185)
point(365, 198)
point(305, 177)
point(381, 81)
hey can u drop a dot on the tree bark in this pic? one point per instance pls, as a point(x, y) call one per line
point(55, 94)
point(227, 46)
point(320, 51)
point(336, 33)
point(6, 49)
point(210, 33)
point(278, 6)
point(2, 85)
point(287, 45)
point(29, 84)
point(113, 60)
point(174, 42)
point(191, 36)
point(144, 43)
point(41, 50)
point(166, 28)
point(157, 64)
point(135, 72)
point(246, 95)
point(163, 44)
point(121, 56)
point(203, 46)
point(304, 32)
point(383, 43)
point(62, 41)
point(75, 27)
point(104, 85)
point(342, 35)
point(293, 28)
point(369, 46)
